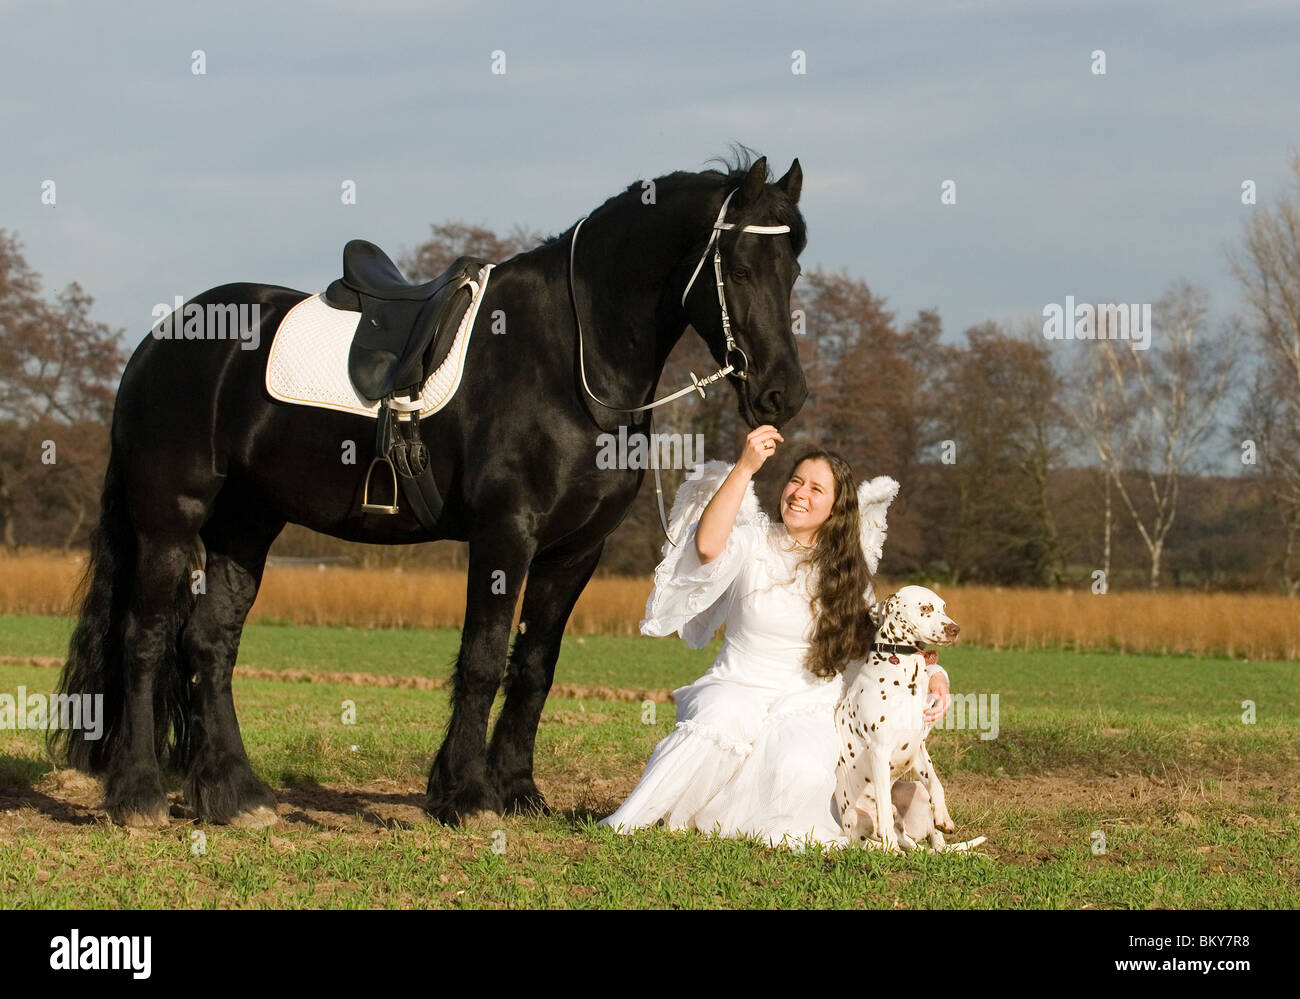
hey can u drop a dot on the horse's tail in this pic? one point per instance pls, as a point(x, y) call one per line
point(96, 664)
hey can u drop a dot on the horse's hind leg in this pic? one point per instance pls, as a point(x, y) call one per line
point(554, 585)
point(219, 783)
point(133, 791)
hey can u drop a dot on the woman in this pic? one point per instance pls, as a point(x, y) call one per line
point(754, 750)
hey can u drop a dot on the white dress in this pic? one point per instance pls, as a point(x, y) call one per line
point(755, 747)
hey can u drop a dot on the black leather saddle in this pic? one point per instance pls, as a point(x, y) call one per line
point(406, 329)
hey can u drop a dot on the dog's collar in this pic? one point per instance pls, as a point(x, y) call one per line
point(906, 650)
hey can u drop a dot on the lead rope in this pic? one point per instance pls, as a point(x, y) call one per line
point(697, 384)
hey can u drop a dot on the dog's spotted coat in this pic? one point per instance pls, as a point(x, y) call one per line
point(884, 740)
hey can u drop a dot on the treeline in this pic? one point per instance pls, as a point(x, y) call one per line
point(58, 374)
point(1032, 455)
point(987, 445)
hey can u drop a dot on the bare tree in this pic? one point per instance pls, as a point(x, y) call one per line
point(1269, 273)
point(454, 239)
point(58, 369)
point(1149, 413)
point(1096, 405)
point(1038, 446)
point(1270, 434)
point(1001, 411)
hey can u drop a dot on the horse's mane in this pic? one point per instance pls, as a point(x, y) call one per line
point(777, 207)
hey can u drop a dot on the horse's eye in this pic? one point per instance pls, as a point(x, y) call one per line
point(739, 273)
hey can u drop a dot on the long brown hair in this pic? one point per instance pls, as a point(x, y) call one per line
point(844, 629)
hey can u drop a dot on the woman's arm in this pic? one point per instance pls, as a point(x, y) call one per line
point(720, 515)
point(938, 687)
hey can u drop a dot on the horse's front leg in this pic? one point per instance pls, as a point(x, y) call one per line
point(554, 584)
point(459, 785)
point(220, 783)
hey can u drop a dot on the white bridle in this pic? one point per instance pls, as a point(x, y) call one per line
point(697, 384)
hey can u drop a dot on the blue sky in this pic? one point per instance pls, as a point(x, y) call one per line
point(1068, 183)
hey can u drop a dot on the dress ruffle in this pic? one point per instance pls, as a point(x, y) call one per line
point(717, 737)
point(785, 791)
point(690, 596)
point(686, 769)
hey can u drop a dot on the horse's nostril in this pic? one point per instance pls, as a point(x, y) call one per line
point(772, 400)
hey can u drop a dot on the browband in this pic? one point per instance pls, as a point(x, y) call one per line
point(718, 226)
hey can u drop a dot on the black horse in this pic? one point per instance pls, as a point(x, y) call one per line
point(206, 469)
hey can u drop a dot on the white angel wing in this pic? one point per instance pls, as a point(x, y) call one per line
point(874, 498)
point(694, 495)
point(664, 613)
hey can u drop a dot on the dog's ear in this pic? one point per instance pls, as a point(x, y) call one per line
point(883, 609)
point(869, 625)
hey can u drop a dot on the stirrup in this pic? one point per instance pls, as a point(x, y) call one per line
point(366, 505)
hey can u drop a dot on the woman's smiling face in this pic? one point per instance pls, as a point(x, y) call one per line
point(807, 498)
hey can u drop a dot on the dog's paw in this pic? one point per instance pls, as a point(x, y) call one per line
point(890, 844)
point(943, 822)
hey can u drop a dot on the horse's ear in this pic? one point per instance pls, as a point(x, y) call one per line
point(792, 182)
point(754, 181)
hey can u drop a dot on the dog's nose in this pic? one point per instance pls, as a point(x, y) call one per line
point(950, 629)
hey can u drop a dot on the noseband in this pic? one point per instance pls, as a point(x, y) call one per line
point(697, 384)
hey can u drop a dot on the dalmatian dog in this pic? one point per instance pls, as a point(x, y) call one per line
point(882, 730)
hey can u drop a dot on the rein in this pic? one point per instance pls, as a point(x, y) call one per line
point(697, 384)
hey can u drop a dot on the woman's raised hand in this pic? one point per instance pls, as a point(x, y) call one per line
point(718, 517)
point(759, 446)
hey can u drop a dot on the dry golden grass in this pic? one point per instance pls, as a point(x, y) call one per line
point(1241, 625)
point(39, 584)
point(1248, 626)
point(425, 598)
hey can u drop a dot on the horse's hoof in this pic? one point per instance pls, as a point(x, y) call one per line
point(257, 818)
point(470, 800)
point(143, 820)
point(236, 794)
point(523, 798)
point(138, 802)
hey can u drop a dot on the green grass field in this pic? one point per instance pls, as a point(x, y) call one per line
point(1198, 808)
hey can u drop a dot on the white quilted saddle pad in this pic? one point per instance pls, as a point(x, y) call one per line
point(308, 364)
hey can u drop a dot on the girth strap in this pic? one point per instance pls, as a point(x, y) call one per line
point(399, 449)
